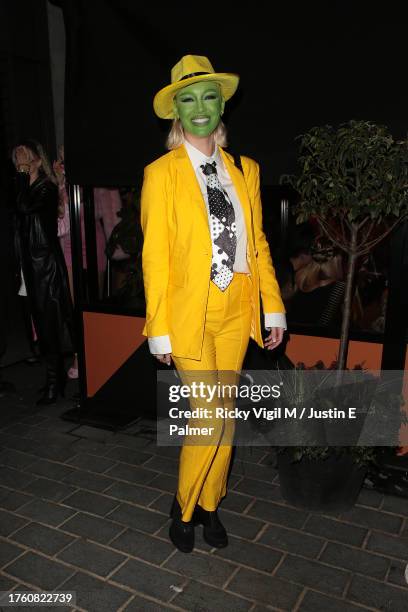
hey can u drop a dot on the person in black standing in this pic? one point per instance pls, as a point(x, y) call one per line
point(42, 263)
point(6, 266)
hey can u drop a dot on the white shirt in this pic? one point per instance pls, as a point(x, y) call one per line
point(161, 344)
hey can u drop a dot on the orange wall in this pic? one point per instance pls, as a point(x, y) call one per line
point(109, 341)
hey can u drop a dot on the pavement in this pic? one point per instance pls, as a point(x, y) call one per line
point(85, 509)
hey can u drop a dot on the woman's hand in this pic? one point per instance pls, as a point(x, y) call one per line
point(59, 171)
point(166, 358)
point(274, 339)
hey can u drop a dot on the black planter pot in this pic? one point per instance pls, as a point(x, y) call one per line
point(331, 484)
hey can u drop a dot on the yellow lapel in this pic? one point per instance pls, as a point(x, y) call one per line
point(189, 180)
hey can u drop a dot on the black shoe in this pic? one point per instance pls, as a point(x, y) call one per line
point(180, 532)
point(214, 531)
point(55, 382)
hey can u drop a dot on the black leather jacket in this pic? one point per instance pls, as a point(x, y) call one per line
point(42, 262)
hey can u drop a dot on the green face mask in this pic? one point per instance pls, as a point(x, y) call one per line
point(199, 107)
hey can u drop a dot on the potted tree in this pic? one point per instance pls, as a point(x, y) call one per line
point(353, 181)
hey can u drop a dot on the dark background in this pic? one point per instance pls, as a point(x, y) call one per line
point(299, 67)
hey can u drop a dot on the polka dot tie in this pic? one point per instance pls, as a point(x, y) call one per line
point(223, 229)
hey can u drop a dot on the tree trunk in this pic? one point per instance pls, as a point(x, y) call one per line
point(348, 297)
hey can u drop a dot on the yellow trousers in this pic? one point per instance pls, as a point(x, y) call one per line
point(203, 468)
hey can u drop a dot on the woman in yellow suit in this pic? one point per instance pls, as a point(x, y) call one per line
point(206, 262)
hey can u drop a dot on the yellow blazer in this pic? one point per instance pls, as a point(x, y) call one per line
point(177, 250)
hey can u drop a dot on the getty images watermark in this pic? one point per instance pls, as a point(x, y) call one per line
point(282, 408)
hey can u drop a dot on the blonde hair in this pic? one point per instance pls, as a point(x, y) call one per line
point(315, 274)
point(38, 151)
point(175, 137)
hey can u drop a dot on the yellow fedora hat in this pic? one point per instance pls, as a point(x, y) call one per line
point(190, 69)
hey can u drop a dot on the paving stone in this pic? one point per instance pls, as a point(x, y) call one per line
point(46, 512)
point(248, 553)
point(35, 419)
point(138, 518)
point(316, 602)
point(49, 469)
point(58, 424)
point(134, 442)
point(9, 523)
point(233, 480)
point(132, 474)
point(370, 498)
point(91, 463)
point(142, 545)
point(391, 546)
point(57, 410)
point(378, 595)
point(163, 451)
point(164, 465)
point(41, 538)
point(278, 514)
point(88, 480)
point(398, 505)
point(239, 525)
point(139, 604)
point(163, 503)
point(129, 455)
point(39, 571)
point(95, 595)
point(235, 501)
point(14, 459)
point(23, 445)
point(93, 433)
point(91, 502)
point(265, 589)
point(49, 489)
point(132, 493)
point(145, 578)
point(14, 479)
point(396, 575)
point(92, 528)
point(165, 482)
point(6, 584)
point(12, 500)
point(201, 567)
point(254, 470)
point(54, 453)
point(8, 552)
point(257, 488)
point(54, 439)
point(92, 557)
point(252, 454)
point(335, 530)
point(22, 430)
point(313, 574)
point(357, 561)
point(292, 541)
point(209, 599)
point(93, 447)
point(373, 519)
